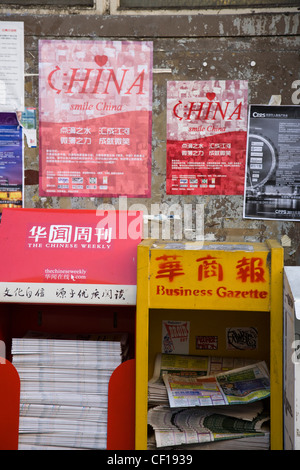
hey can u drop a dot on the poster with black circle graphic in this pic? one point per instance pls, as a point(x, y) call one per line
point(272, 180)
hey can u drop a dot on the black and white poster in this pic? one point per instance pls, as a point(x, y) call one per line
point(272, 182)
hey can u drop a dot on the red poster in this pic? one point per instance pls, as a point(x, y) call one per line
point(80, 256)
point(206, 137)
point(95, 118)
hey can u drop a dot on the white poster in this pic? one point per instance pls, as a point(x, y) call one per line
point(272, 187)
point(12, 66)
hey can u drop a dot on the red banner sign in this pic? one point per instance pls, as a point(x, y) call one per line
point(69, 255)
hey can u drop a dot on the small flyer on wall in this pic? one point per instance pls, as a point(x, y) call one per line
point(27, 119)
point(206, 137)
point(11, 162)
point(95, 118)
point(175, 337)
point(272, 187)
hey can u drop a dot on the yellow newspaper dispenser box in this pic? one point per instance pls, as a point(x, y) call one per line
point(217, 288)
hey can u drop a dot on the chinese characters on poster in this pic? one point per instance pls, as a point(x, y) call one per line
point(95, 118)
point(206, 137)
point(272, 188)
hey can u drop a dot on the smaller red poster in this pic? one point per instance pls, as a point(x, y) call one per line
point(206, 137)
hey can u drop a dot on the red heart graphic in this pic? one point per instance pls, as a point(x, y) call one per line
point(101, 60)
point(210, 96)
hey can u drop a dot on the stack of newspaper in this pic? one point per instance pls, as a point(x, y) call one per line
point(194, 395)
point(64, 389)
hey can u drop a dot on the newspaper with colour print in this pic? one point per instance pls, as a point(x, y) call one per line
point(242, 385)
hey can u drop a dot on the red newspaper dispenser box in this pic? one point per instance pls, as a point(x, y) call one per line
point(9, 405)
point(79, 268)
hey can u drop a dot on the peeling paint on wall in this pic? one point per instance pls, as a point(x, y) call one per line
point(261, 48)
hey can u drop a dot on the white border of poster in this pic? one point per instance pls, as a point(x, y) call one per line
point(12, 66)
point(272, 180)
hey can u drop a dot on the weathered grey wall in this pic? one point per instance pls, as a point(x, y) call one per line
point(263, 48)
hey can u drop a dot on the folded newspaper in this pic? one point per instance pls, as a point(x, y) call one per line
point(186, 387)
point(188, 365)
point(186, 426)
point(237, 386)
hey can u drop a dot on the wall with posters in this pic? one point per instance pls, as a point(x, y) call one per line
point(255, 53)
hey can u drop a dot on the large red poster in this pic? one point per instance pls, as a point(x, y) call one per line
point(206, 137)
point(95, 118)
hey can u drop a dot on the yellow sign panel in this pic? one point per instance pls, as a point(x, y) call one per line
point(214, 277)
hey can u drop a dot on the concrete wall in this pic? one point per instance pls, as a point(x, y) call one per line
point(261, 46)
